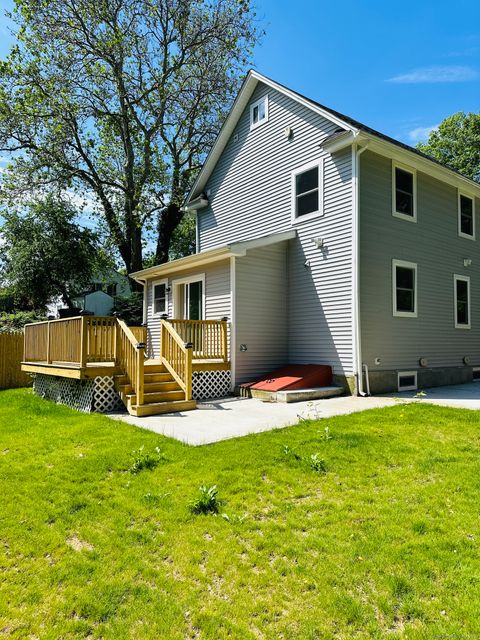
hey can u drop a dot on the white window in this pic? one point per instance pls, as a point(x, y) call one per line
point(307, 194)
point(404, 281)
point(407, 380)
point(404, 193)
point(160, 297)
point(461, 294)
point(259, 112)
point(466, 216)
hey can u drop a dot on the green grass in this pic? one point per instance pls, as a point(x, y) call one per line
point(381, 542)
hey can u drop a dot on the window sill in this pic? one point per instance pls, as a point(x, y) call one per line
point(306, 217)
point(405, 314)
point(466, 236)
point(463, 326)
point(404, 216)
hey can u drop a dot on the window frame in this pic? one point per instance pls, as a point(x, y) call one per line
point(404, 374)
point(257, 103)
point(462, 194)
point(156, 283)
point(456, 278)
point(196, 277)
point(296, 172)
point(407, 265)
point(413, 172)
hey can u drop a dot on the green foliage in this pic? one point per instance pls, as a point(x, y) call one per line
point(206, 501)
point(121, 102)
point(313, 461)
point(317, 464)
point(142, 459)
point(47, 254)
point(183, 238)
point(130, 308)
point(12, 322)
point(456, 143)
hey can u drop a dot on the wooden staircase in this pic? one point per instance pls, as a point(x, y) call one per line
point(161, 392)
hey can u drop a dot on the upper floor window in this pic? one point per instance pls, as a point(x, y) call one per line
point(466, 217)
point(404, 193)
point(160, 297)
point(306, 192)
point(404, 281)
point(462, 301)
point(259, 112)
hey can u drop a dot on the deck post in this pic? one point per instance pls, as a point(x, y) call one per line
point(49, 358)
point(188, 371)
point(224, 341)
point(140, 381)
point(83, 342)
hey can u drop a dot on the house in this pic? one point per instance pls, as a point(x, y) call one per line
point(324, 241)
point(100, 296)
point(319, 241)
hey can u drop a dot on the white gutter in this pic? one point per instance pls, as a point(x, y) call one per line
point(357, 339)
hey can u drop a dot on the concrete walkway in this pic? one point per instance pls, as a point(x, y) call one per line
point(233, 417)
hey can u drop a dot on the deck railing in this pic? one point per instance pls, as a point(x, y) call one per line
point(209, 338)
point(131, 354)
point(73, 340)
point(176, 356)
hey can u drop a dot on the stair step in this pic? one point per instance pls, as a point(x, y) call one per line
point(163, 396)
point(157, 377)
point(154, 367)
point(162, 407)
point(153, 387)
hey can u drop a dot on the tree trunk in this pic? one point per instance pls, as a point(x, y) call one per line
point(168, 221)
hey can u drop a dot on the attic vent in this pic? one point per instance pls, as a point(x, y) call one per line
point(407, 380)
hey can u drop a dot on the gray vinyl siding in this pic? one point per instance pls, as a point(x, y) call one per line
point(434, 245)
point(250, 196)
point(261, 312)
point(217, 299)
point(250, 188)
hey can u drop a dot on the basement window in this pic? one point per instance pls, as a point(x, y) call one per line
point(476, 374)
point(407, 380)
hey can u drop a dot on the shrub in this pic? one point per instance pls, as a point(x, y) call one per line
point(11, 322)
point(143, 460)
point(130, 309)
point(206, 502)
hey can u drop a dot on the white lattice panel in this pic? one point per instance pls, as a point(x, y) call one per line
point(211, 384)
point(77, 394)
point(105, 397)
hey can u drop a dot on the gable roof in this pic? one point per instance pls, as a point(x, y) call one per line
point(358, 130)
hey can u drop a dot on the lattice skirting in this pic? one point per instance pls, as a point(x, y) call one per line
point(97, 395)
point(211, 384)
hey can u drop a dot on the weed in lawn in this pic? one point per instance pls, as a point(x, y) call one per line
point(143, 460)
point(318, 464)
point(206, 502)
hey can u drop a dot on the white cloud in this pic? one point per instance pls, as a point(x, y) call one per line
point(448, 73)
point(420, 134)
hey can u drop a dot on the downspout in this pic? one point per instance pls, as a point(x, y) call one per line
point(357, 339)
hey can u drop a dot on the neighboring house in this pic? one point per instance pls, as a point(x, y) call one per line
point(324, 241)
point(99, 299)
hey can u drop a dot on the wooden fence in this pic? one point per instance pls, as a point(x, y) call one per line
point(11, 355)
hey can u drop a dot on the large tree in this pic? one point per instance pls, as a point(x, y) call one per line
point(120, 100)
point(46, 254)
point(456, 142)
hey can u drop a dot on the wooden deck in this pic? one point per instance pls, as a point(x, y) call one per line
point(94, 369)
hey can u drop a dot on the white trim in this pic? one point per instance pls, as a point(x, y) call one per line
point(197, 277)
point(313, 214)
point(257, 103)
point(401, 374)
point(457, 277)
point(399, 214)
point(459, 219)
point(233, 321)
point(153, 284)
point(414, 267)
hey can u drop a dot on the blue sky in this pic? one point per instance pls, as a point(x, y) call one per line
point(400, 67)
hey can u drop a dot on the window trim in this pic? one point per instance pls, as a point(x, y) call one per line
point(459, 218)
point(457, 277)
point(407, 265)
point(313, 214)
point(254, 125)
point(399, 214)
point(401, 374)
point(154, 284)
point(196, 277)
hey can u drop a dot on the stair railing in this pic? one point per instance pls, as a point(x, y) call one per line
point(176, 356)
point(131, 357)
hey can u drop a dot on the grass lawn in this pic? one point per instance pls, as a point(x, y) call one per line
point(384, 544)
